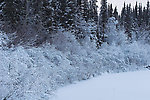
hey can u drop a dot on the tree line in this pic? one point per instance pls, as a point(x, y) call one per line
point(34, 21)
point(133, 19)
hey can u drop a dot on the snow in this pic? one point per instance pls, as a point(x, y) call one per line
point(122, 86)
point(35, 73)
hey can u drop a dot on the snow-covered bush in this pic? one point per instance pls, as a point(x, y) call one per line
point(114, 35)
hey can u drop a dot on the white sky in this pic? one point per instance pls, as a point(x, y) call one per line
point(119, 3)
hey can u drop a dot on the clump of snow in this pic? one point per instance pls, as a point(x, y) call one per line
point(3, 39)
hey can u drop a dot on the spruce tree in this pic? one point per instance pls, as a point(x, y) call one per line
point(136, 11)
point(46, 15)
point(85, 9)
point(144, 16)
point(128, 22)
point(65, 12)
point(1, 7)
point(93, 14)
point(62, 13)
point(123, 14)
point(115, 13)
point(55, 14)
point(135, 16)
point(110, 10)
point(140, 18)
point(135, 26)
point(71, 13)
point(147, 13)
point(11, 13)
point(102, 22)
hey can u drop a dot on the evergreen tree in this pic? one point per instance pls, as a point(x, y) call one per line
point(85, 9)
point(1, 7)
point(123, 14)
point(11, 13)
point(93, 10)
point(102, 22)
point(47, 15)
point(103, 13)
point(71, 13)
point(110, 10)
point(135, 16)
point(136, 11)
point(128, 22)
point(64, 12)
point(147, 13)
point(115, 13)
point(140, 18)
point(144, 17)
point(55, 14)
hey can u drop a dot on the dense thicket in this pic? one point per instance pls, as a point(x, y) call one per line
point(34, 21)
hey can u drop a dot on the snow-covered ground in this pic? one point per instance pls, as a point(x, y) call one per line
point(123, 86)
